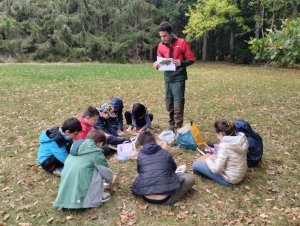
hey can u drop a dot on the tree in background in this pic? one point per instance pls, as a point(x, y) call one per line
point(126, 31)
point(207, 15)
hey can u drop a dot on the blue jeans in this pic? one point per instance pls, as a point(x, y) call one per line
point(201, 167)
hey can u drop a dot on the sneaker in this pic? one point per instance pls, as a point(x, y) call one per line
point(209, 145)
point(202, 151)
point(106, 196)
point(105, 183)
point(57, 171)
point(133, 139)
point(181, 169)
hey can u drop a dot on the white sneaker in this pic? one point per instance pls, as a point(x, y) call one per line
point(181, 169)
point(57, 172)
point(105, 183)
point(106, 196)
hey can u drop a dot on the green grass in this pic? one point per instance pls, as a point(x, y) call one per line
point(34, 97)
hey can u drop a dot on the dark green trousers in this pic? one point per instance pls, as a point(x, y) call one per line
point(174, 92)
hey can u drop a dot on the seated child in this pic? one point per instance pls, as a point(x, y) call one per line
point(255, 150)
point(117, 122)
point(138, 116)
point(228, 166)
point(157, 181)
point(106, 111)
point(55, 144)
point(81, 184)
point(87, 120)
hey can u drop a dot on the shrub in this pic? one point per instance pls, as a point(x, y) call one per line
point(282, 46)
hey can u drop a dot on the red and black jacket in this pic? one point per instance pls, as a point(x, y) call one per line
point(179, 49)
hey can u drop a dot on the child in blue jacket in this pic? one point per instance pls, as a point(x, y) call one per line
point(103, 123)
point(138, 117)
point(55, 144)
point(107, 111)
point(117, 122)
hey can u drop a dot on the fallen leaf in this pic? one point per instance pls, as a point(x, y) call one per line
point(6, 188)
point(143, 207)
point(165, 213)
point(50, 220)
point(6, 217)
point(155, 210)
point(124, 218)
point(118, 222)
point(2, 224)
point(247, 188)
point(208, 191)
point(69, 217)
point(93, 217)
point(216, 196)
point(263, 215)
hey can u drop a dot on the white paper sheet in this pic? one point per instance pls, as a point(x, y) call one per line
point(166, 64)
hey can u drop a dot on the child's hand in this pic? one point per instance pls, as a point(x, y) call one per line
point(141, 130)
point(119, 131)
point(134, 129)
point(213, 157)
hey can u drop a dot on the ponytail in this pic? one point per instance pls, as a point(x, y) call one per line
point(226, 127)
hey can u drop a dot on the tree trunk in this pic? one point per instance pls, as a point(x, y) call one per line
point(204, 48)
point(232, 58)
point(273, 17)
point(294, 13)
point(262, 21)
point(151, 53)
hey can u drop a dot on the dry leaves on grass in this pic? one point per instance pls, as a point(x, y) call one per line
point(127, 216)
point(50, 220)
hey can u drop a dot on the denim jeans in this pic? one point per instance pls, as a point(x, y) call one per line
point(201, 167)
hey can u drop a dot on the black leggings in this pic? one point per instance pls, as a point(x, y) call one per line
point(51, 163)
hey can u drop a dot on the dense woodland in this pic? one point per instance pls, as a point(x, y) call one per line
point(126, 30)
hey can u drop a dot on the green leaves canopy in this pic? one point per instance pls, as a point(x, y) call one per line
point(206, 15)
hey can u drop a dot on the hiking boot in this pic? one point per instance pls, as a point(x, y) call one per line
point(106, 196)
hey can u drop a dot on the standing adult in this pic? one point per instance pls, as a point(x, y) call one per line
point(180, 51)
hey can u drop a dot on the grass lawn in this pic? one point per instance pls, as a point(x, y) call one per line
point(34, 97)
